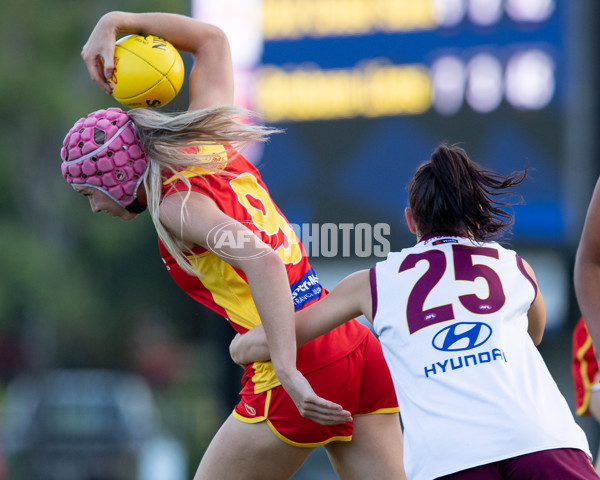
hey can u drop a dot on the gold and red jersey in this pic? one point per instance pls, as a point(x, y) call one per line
point(584, 367)
point(240, 193)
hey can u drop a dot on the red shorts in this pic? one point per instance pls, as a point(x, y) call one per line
point(360, 382)
point(584, 368)
point(555, 464)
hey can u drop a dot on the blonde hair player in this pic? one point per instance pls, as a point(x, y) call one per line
point(459, 317)
point(199, 190)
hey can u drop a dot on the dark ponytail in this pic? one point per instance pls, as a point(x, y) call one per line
point(452, 194)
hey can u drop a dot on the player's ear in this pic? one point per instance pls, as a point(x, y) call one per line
point(410, 221)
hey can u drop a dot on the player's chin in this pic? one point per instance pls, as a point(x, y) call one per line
point(127, 217)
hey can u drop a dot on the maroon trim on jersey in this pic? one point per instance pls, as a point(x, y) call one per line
point(526, 275)
point(373, 280)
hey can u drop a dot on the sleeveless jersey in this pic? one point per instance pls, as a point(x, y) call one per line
point(472, 387)
point(239, 192)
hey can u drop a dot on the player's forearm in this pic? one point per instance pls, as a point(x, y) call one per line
point(269, 285)
point(347, 300)
point(185, 33)
point(252, 346)
point(211, 75)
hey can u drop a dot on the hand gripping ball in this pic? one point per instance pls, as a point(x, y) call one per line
point(148, 71)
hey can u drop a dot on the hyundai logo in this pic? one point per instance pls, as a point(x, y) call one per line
point(462, 336)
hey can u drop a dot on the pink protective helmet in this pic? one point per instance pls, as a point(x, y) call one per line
point(103, 151)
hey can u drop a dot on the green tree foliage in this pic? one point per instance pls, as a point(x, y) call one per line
point(79, 274)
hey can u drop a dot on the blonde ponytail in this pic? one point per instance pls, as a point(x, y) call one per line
point(167, 139)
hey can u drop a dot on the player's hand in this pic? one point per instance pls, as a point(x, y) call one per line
point(310, 405)
point(98, 53)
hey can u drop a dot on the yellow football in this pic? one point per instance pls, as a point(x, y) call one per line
point(148, 71)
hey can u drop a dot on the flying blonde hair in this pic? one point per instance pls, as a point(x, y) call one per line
point(167, 138)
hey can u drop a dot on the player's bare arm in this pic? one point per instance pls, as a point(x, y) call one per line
point(587, 269)
point(349, 299)
point(537, 312)
point(211, 76)
point(267, 279)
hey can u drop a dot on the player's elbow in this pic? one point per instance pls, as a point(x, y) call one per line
point(268, 262)
point(536, 329)
point(213, 39)
point(236, 355)
point(536, 337)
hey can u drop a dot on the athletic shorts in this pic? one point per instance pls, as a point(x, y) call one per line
point(360, 382)
point(555, 464)
point(584, 368)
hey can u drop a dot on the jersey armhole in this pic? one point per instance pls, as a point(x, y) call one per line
point(527, 276)
point(373, 282)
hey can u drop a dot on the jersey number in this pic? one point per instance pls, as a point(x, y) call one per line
point(266, 218)
point(465, 269)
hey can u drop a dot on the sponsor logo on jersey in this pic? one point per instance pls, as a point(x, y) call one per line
point(444, 240)
point(306, 289)
point(462, 336)
point(464, 361)
point(459, 337)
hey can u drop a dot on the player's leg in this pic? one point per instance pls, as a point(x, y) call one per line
point(374, 452)
point(249, 451)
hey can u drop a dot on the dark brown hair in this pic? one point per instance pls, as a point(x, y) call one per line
point(452, 194)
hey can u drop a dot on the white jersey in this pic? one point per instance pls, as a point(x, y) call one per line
point(451, 316)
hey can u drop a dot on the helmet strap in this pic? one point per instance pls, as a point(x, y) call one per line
point(136, 207)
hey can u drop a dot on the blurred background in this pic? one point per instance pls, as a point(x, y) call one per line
point(106, 367)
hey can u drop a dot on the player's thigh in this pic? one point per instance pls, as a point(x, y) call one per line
point(248, 451)
point(375, 450)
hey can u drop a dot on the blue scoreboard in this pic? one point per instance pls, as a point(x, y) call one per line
point(366, 89)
